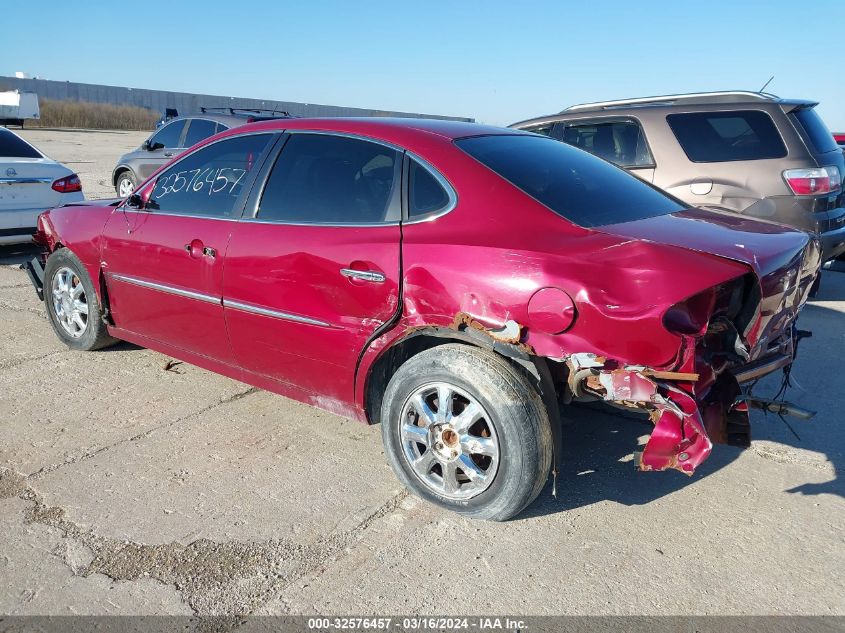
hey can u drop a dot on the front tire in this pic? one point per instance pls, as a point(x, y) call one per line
point(125, 184)
point(72, 304)
point(486, 451)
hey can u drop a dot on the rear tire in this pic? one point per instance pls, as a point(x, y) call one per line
point(72, 304)
point(493, 439)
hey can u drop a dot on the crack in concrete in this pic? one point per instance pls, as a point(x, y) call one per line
point(45, 470)
point(213, 578)
point(13, 308)
point(20, 361)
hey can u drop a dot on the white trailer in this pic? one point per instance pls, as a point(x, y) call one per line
point(16, 107)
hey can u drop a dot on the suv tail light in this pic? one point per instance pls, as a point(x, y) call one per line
point(809, 182)
point(68, 184)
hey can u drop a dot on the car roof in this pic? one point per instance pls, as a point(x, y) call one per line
point(227, 119)
point(699, 100)
point(399, 130)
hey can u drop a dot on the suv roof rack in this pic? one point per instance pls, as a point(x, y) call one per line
point(728, 96)
point(237, 111)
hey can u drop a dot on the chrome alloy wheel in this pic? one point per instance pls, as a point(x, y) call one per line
point(125, 187)
point(70, 305)
point(449, 441)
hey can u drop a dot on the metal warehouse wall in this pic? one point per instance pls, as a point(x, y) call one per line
point(184, 102)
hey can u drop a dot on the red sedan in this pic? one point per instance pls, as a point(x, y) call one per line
point(457, 283)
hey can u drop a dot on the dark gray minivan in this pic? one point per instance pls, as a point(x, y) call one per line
point(746, 152)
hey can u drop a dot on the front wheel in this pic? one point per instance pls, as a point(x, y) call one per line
point(125, 184)
point(71, 303)
point(465, 430)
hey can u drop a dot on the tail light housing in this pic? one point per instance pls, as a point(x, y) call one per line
point(68, 184)
point(691, 316)
point(811, 182)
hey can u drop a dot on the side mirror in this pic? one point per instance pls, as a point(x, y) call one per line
point(135, 201)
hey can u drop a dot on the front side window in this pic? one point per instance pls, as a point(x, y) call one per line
point(199, 130)
point(715, 137)
point(621, 142)
point(168, 136)
point(325, 179)
point(425, 194)
point(209, 181)
point(574, 184)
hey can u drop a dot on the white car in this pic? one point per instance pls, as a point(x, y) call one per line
point(29, 184)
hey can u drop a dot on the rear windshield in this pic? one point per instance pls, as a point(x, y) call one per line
point(814, 128)
point(13, 147)
point(574, 184)
point(716, 137)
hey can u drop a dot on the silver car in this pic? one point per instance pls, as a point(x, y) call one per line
point(173, 138)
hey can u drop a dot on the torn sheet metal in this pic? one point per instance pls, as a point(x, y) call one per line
point(510, 332)
point(679, 439)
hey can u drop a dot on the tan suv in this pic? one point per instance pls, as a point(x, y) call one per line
point(746, 152)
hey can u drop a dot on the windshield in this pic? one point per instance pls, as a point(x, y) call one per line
point(576, 185)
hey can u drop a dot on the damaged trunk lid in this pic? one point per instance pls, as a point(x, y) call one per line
point(784, 261)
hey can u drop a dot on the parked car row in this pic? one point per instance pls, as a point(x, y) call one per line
point(460, 283)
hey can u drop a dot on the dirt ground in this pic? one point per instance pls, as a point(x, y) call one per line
point(126, 488)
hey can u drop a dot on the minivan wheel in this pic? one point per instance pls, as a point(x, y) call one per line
point(465, 430)
point(125, 184)
point(71, 303)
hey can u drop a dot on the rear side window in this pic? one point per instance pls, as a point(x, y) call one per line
point(199, 130)
point(169, 135)
point(209, 181)
point(621, 142)
point(11, 146)
point(572, 183)
point(715, 137)
point(325, 179)
point(812, 127)
point(425, 194)
point(544, 128)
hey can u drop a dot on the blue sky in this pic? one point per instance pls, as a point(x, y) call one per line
point(495, 61)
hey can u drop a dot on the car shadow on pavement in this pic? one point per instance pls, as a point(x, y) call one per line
point(598, 463)
point(16, 254)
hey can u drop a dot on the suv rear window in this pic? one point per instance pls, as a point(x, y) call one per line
point(716, 137)
point(814, 128)
point(574, 184)
point(13, 147)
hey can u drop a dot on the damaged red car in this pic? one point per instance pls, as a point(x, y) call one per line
point(457, 283)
